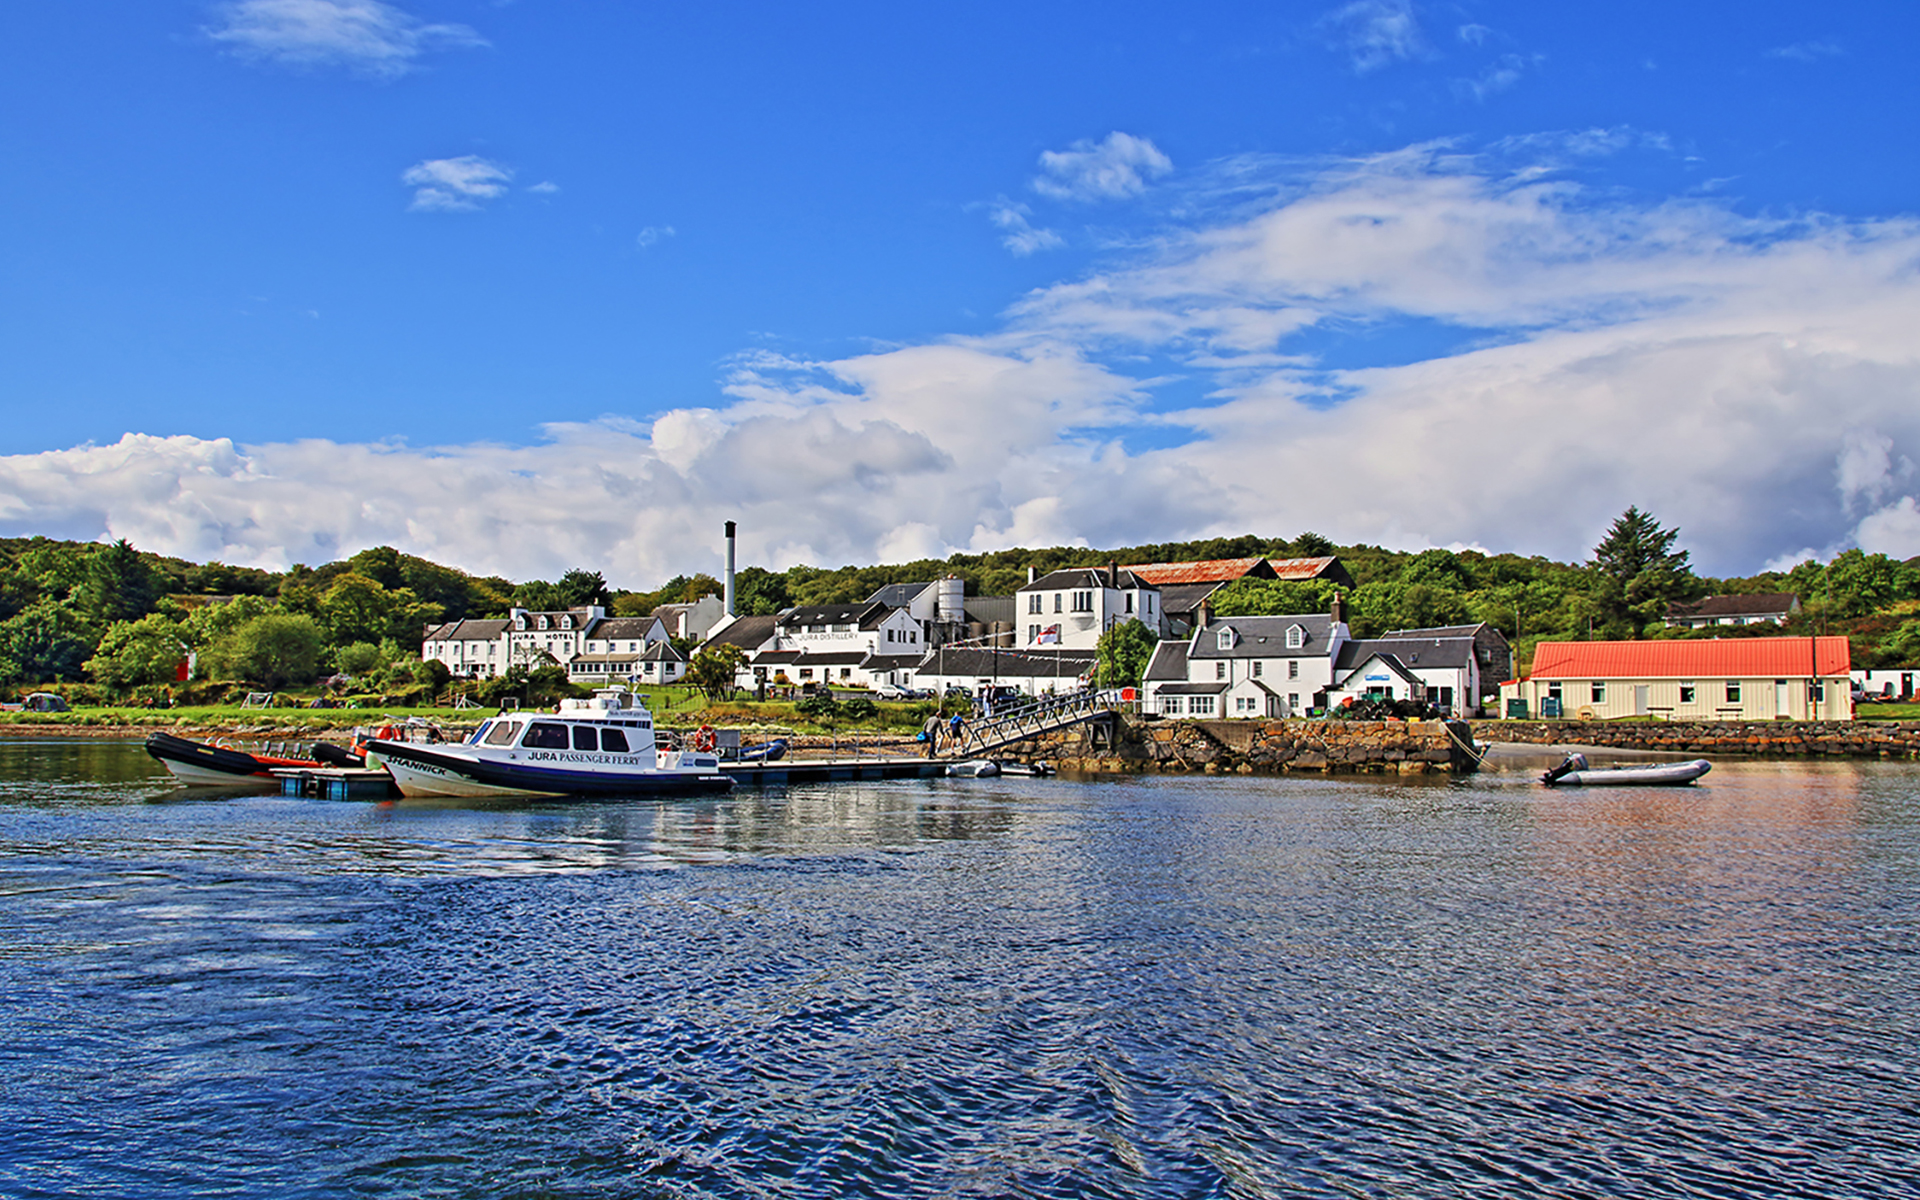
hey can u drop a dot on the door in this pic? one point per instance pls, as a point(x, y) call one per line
point(1782, 706)
point(1639, 699)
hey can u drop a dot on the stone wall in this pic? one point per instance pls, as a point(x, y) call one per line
point(1130, 743)
point(1772, 739)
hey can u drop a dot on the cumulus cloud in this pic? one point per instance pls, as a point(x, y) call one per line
point(367, 36)
point(455, 184)
point(1375, 33)
point(652, 235)
point(1497, 77)
point(1020, 235)
point(1752, 380)
point(1114, 168)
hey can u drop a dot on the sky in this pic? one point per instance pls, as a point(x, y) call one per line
point(523, 285)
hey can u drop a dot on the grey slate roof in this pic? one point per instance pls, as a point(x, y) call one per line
point(467, 631)
point(633, 628)
point(1191, 689)
point(1008, 664)
point(662, 652)
point(1169, 661)
point(1180, 598)
point(1758, 604)
point(866, 614)
point(1085, 577)
point(1264, 637)
point(898, 595)
point(1389, 659)
point(748, 633)
point(1414, 652)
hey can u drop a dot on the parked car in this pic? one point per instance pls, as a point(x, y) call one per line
point(889, 691)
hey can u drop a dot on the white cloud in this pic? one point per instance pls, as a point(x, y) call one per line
point(545, 187)
point(1808, 51)
point(368, 36)
point(1119, 166)
point(1375, 33)
point(455, 184)
point(1753, 381)
point(652, 235)
point(1497, 77)
point(1021, 236)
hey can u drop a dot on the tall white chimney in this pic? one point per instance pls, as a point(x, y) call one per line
point(728, 596)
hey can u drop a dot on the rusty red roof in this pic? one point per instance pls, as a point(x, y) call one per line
point(1715, 658)
point(1301, 568)
point(1215, 570)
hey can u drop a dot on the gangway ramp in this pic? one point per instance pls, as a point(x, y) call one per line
point(1044, 714)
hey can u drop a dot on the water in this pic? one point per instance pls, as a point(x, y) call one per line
point(1158, 987)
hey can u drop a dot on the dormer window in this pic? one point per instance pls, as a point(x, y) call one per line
point(1296, 637)
point(543, 622)
point(519, 622)
point(566, 622)
point(1225, 639)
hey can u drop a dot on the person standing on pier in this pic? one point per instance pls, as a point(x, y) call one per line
point(930, 733)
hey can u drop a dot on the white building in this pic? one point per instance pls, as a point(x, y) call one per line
point(535, 637)
point(692, 621)
point(1274, 667)
point(1072, 608)
point(470, 649)
point(852, 644)
point(614, 648)
point(1452, 668)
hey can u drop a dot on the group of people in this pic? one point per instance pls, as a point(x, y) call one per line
point(936, 728)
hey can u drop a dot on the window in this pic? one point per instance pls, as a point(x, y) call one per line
point(613, 741)
point(502, 733)
point(1293, 700)
point(1686, 693)
point(1293, 668)
point(1033, 633)
point(1059, 598)
point(1033, 603)
point(1083, 602)
point(806, 672)
point(1599, 692)
point(846, 672)
point(1296, 637)
point(1220, 670)
point(1129, 604)
point(584, 738)
point(1259, 668)
point(1817, 688)
point(889, 635)
point(1553, 690)
point(545, 735)
point(1201, 706)
point(1170, 705)
point(1224, 639)
point(1733, 691)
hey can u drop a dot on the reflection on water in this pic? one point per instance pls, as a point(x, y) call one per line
point(1026, 987)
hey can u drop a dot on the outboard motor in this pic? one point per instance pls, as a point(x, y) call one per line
point(1574, 762)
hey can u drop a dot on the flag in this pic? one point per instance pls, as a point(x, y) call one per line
point(1048, 636)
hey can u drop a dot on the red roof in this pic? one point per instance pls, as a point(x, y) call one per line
point(1300, 568)
point(1215, 570)
point(1716, 658)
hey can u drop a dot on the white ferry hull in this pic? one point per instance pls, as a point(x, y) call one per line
point(458, 771)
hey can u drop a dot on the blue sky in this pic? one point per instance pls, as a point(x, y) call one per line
point(522, 284)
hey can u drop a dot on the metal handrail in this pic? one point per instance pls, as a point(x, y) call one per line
point(1042, 715)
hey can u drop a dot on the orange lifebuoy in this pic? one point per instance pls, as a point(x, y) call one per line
point(387, 733)
point(705, 739)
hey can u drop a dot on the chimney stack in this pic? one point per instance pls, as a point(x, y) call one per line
point(1113, 574)
point(1339, 613)
point(1031, 574)
point(728, 595)
point(1202, 617)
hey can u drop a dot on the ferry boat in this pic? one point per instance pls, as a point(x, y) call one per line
point(604, 746)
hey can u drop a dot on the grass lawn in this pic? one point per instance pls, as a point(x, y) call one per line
point(1886, 712)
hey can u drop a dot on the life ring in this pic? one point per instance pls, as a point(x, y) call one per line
point(706, 740)
point(1586, 713)
point(387, 733)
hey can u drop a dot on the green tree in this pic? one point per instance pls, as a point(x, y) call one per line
point(1637, 573)
point(1272, 597)
point(360, 658)
point(119, 585)
point(275, 649)
point(581, 587)
point(357, 609)
point(1122, 653)
point(139, 652)
point(47, 640)
point(537, 595)
point(714, 669)
point(1856, 583)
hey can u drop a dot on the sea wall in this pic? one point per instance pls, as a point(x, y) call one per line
point(1765, 739)
point(1127, 743)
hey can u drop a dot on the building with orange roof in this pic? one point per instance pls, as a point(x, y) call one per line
point(1185, 587)
point(1719, 679)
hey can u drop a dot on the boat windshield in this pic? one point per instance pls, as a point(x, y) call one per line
point(503, 733)
point(547, 735)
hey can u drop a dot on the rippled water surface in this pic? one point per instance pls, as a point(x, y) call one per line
point(1161, 987)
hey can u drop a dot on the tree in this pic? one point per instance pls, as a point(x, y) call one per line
point(360, 658)
point(714, 669)
point(581, 587)
point(146, 651)
point(1122, 654)
point(537, 595)
point(357, 609)
point(119, 585)
point(47, 640)
point(1272, 597)
point(1637, 573)
point(275, 649)
point(1311, 545)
